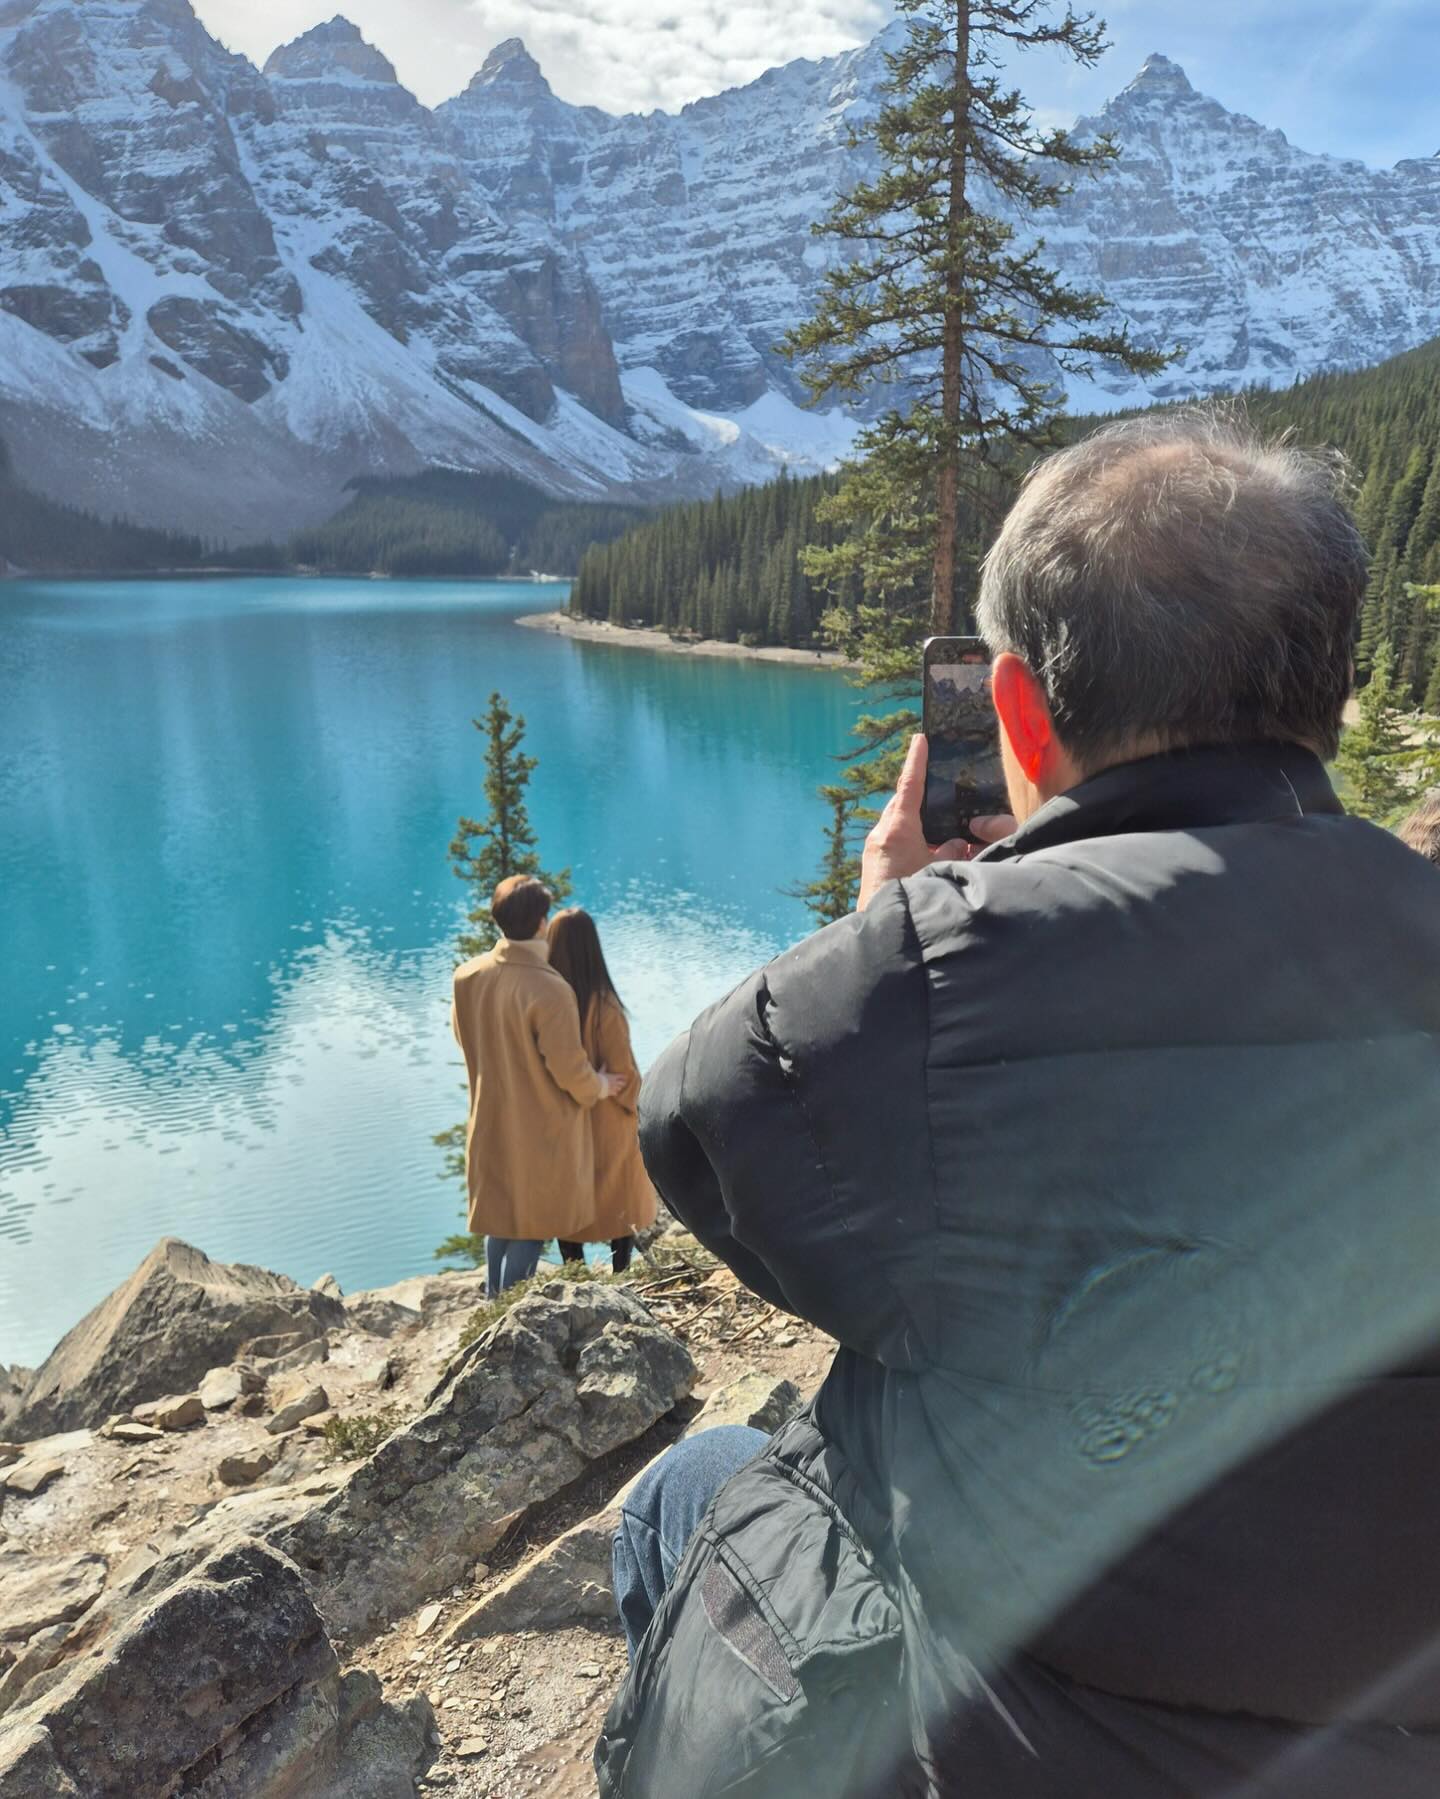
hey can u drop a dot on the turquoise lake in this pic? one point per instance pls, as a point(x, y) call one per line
point(227, 909)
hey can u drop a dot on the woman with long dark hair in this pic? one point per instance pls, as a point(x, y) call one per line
point(624, 1197)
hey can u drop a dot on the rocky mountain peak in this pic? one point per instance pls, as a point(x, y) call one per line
point(511, 66)
point(334, 48)
point(1159, 79)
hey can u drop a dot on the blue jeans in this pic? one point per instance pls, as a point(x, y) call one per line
point(507, 1260)
point(662, 1514)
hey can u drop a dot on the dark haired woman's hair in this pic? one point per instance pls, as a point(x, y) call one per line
point(1422, 829)
point(575, 952)
point(520, 906)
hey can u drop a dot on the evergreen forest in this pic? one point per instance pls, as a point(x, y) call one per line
point(45, 536)
point(731, 567)
point(451, 522)
point(438, 522)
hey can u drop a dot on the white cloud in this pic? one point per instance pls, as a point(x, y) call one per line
point(1353, 83)
point(623, 55)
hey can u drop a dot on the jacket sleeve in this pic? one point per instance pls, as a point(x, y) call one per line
point(556, 1022)
point(789, 1129)
point(616, 1056)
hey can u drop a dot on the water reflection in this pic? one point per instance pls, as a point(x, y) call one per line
point(224, 896)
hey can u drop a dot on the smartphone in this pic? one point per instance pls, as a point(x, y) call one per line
point(966, 778)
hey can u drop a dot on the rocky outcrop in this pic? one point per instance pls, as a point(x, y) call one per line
point(561, 1583)
point(226, 1686)
point(38, 1592)
point(754, 1398)
point(199, 1656)
point(13, 1382)
point(176, 1317)
point(569, 1579)
point(566, 1376)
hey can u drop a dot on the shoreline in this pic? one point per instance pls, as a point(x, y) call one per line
point(635, 637)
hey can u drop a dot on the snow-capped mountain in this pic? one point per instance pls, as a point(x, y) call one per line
point(225, 291)
point(1262, 261)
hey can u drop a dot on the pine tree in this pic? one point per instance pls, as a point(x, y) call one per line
point(831, 895)
point(1381, 761)
point(1415, 644)
point(484, 854)
point(939, 297)
point(1425, 532)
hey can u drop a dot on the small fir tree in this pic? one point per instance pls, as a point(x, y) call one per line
point(1387, 754)
point(484, 853)
point(832, 894)
point(1432, 691)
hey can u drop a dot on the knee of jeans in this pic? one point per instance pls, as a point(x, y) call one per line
point(675, 1492)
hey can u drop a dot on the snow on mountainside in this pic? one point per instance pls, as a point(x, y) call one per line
point(224, 292)
point(1264, 262)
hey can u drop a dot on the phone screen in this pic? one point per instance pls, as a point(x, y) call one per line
point(966, 778)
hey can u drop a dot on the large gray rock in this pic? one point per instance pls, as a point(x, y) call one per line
point(561, 1583)
point(13, 1382)
point(754, 1398)
point(384, 1310)
point(226, 1687)
point(569, 1374)
point(295, 1407)
point(40, 1591)
point(178, 1316)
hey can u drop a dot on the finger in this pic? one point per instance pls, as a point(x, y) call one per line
point(956, 850)
point(993, 826)
point(911, 785)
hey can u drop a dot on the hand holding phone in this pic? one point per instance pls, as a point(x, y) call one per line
point(965, 776)
point(896, 846)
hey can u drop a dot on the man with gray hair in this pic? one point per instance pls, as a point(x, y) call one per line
point(1110, 1155)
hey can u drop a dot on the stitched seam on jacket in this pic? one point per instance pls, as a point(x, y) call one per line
point(931, 1328)
point(785, 1061)
point(901, 1297)
point(827, 1502)
point(1229, 1044)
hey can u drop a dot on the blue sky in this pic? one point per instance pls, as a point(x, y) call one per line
point(1356, 78)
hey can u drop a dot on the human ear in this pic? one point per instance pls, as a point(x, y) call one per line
point(1024, 716)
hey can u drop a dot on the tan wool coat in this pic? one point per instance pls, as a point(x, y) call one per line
point(529, 1164)
point(624, 1196)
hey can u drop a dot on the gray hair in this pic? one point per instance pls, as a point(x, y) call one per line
point(1173, 580)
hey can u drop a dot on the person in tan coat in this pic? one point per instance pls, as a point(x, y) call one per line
point(529, 1162)
point(624, 1199)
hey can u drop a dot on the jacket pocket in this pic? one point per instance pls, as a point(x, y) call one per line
point(772, 1667)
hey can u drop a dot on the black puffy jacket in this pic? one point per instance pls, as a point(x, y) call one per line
point(1112, 1160)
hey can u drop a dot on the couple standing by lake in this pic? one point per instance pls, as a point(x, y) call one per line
point(551, 1148)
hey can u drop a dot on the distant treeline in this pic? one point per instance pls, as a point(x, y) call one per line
point(1387, 421)
point(441, 522)
point(730, 567)
point(41, 535)
point(448, 522)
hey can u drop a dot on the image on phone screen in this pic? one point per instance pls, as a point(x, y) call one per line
point(965, 777)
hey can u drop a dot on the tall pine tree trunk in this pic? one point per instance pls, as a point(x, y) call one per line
point(947, 481)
